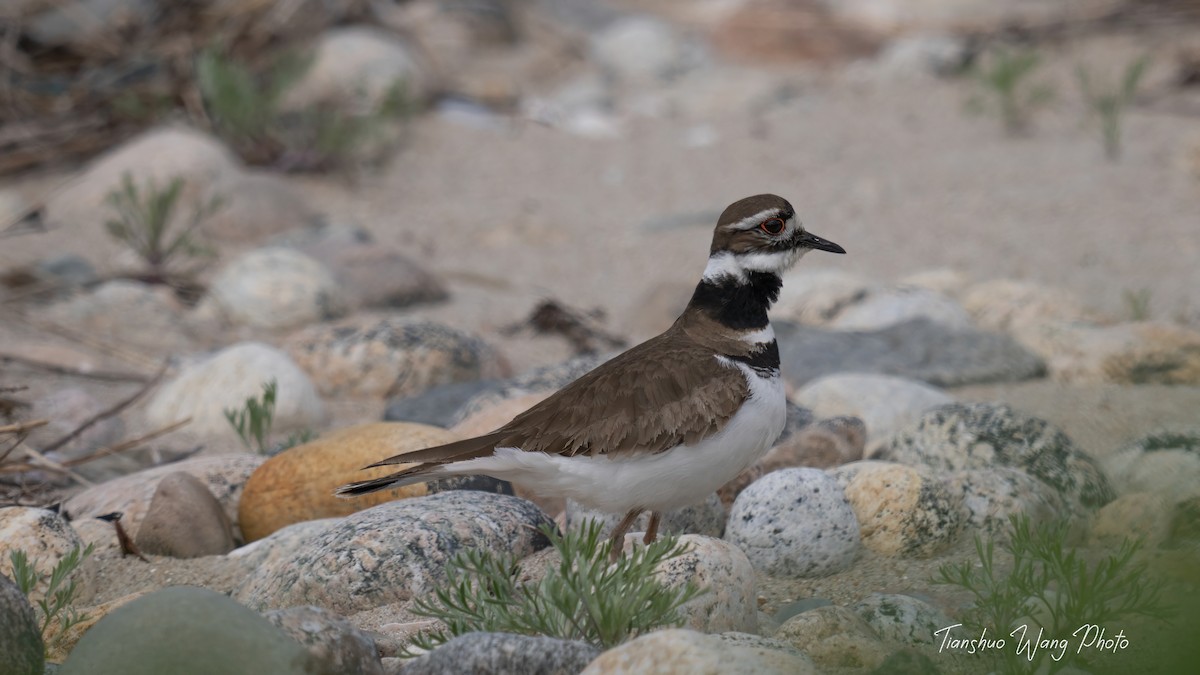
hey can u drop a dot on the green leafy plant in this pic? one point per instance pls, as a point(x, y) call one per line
point(145, 221)
point(1137, 303)
point(584, 598)
point(247, 110)
point(253, 422)
point(1003, 77)
point(56, 606)
point(1108, 105)
point(1051, 586)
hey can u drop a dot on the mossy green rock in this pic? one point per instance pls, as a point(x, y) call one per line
point(20, 639)
point(186, 631)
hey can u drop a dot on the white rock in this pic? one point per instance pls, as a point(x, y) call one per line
point(680, 651)
point(815, 297)
point(1164, 462)
point(795, 522)
point(731, 603)
point(255, 205)
point(160, 155)
point(833, 636)
point(1149, 352)
point(921, 55)
point(639, 48)
point(43, 535)
point(1012, 304)
point(994, 494)
point(1137, 515)
point(884, 403)
point(275, 288)
point(356, 67)
point(891, 306)
point(204, 390)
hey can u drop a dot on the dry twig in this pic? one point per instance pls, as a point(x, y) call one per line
point(105, 414)
point(107, 376)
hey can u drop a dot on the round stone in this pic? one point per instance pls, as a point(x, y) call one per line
point(993, 496)
point(391, 357)
point(731, 601)
point(833, 636)
point(393, 552)
point(884, 403)
point(902, 619)
point(1165, 462)
point(795, 522)
point(901, 511)
point(274, 288)
point(985, 435)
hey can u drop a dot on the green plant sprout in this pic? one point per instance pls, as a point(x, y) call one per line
point(247, 110)
point(143, 222)
point(1108, 106)
point(1003, 77)
point(253, 420)
point(1050, 586)
point(1137, 303)
point(56, 607)
point(583, 598)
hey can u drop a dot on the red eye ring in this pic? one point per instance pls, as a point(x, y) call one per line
point(772, 226)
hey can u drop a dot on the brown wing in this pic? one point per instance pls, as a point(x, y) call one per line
point(664, 392)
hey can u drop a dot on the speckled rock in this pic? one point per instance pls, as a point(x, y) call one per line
point(356, 67)
point(184, 520)
point(67, 409)
point(150, 636)
point(902, 619)
point(833, 636)
point(891, 306)
point(204, 390)
point(377, 275)
point(504, 653)
point(1134, 515)
point(919, 349)
point(136, 315)
point(1149, 352)
point(901, 511)
point(816, 296)
point(159, 154)
point(391, 357)
point(334, 644)
point(1013, 305)
point(686, 652)
point(1165, 462)
point(886, 404)
point(827, 443)
point(255, 205)
point(20, 635)
point(731, 603)
point(282, 542)
point(274, 289)
point(795, 522)
point(223, 475)
point(393, 551)
point(993, 495)
point(299, 483)
point(44, 536)
point(986, 435)
point(706, 518)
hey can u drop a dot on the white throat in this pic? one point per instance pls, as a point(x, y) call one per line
point(740, 265)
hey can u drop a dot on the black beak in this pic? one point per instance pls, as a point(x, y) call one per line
point(810, 240)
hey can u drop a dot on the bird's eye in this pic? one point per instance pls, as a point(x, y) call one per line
point(772, 226)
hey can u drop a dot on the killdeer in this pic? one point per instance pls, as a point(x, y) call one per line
point(666, 423)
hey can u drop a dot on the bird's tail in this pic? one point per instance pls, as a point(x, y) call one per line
point(416, 474)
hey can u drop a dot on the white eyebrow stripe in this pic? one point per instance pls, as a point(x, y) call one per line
point(751, 222)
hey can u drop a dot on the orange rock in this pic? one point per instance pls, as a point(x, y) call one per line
point(298, 484)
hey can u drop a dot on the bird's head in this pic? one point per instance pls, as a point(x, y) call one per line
point(760, 234)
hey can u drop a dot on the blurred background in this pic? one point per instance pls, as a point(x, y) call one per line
point(521, 169)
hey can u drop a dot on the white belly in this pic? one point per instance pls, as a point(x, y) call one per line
point(668, 480)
